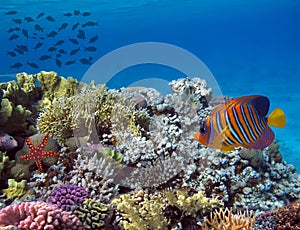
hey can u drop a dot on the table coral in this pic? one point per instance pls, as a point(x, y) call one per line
point(38, 215)
point(68, 196)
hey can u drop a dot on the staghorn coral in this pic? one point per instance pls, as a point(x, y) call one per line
point(68, 196)
point(287, 217)
point(141, 211)
point(93, 214)
point(15, 189)
point(226, 220)
point(38, 215)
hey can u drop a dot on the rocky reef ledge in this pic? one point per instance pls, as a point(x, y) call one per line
point(126, 159)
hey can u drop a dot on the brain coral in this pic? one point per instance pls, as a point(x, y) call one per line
point(38, 215)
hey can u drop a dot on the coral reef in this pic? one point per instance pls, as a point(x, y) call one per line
point(38, 215)
point(5, 165)
point(226, 220)
point(93, 214)
point(287, 217)
point(264, 221)
point(15, 189)
point(68, 196)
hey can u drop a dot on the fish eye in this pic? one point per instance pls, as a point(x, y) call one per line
point(202, 128)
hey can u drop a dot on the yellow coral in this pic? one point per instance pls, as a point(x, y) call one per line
point(141, 211)
point(15, 189)
point(192, 204)
point(226, 220)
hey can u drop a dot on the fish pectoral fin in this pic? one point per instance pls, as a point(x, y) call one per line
point(222, 136)
point(277, 118)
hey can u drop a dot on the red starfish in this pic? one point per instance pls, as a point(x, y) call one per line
point(36, 152)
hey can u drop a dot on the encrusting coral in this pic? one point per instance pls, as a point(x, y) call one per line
point(288, 217)
point(226, 220)
point(38, 215)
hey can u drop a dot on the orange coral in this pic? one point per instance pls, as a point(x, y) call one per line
point(226, 220)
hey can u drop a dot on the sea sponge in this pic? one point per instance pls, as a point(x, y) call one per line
point(141, 211)
point(287, 217)
point(38, 215)
point(15, 189)
point(67, 196)
point(255, 157)
point(226, 220)
point(93, 214)
point(274, 152)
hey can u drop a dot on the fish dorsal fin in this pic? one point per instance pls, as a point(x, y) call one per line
point(260, 103)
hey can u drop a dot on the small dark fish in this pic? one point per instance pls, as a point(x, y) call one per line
point(17, 29)
point(17, 21)
point(75, 26)
point(76, 12)
point(59, 42)
point(85, 14)
point(51, 49)
point(44, 57)
point(81, 34)
point(11, 30)
point(74, 41)
point(28, 19)
point(85, 61)
point(11, 12)
point(68, 14)
point(69, 62)
point(93, 39)
point(50, 19)
point(63, 26)
point(61, 51)
point(52, 34)
point(38, 45)
point(74, 51)
point(58, 55)
point(11, 53)
point(33, 65)
point(13, 37)
point(58, 62)
point(90, 48)
point(19, 51)
point(42, 38)
point(7, 142)
point(40, 15)
point(16, 65)
point(25, 33)
point(90, 23)
point(34, 37)
point(23, 47)
point(38, 28)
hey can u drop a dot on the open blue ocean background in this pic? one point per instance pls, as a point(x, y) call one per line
point(251, 47)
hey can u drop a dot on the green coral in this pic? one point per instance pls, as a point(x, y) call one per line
point(93, 214)
point(15, 189)
point(5, 164)
point(141, 211)
point(192, 204)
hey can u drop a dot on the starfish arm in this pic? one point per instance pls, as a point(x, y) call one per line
point(49, 154)
point(29, 143)
point(39, 164)
point(28, 156)
point(44, 141)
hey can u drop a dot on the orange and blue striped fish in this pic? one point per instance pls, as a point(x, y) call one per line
point(241, 122)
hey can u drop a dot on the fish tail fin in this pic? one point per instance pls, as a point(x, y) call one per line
point(277, 118)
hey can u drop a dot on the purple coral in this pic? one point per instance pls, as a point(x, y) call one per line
point(68, 196)
point(38, 215)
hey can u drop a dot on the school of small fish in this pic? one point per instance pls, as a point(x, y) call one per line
point(65, 45)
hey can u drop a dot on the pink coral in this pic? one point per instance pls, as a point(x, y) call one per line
point(38, 215)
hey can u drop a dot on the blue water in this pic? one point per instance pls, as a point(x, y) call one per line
point(251, 47)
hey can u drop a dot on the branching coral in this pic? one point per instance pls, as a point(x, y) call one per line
point(38, 215)
point(226, 220)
